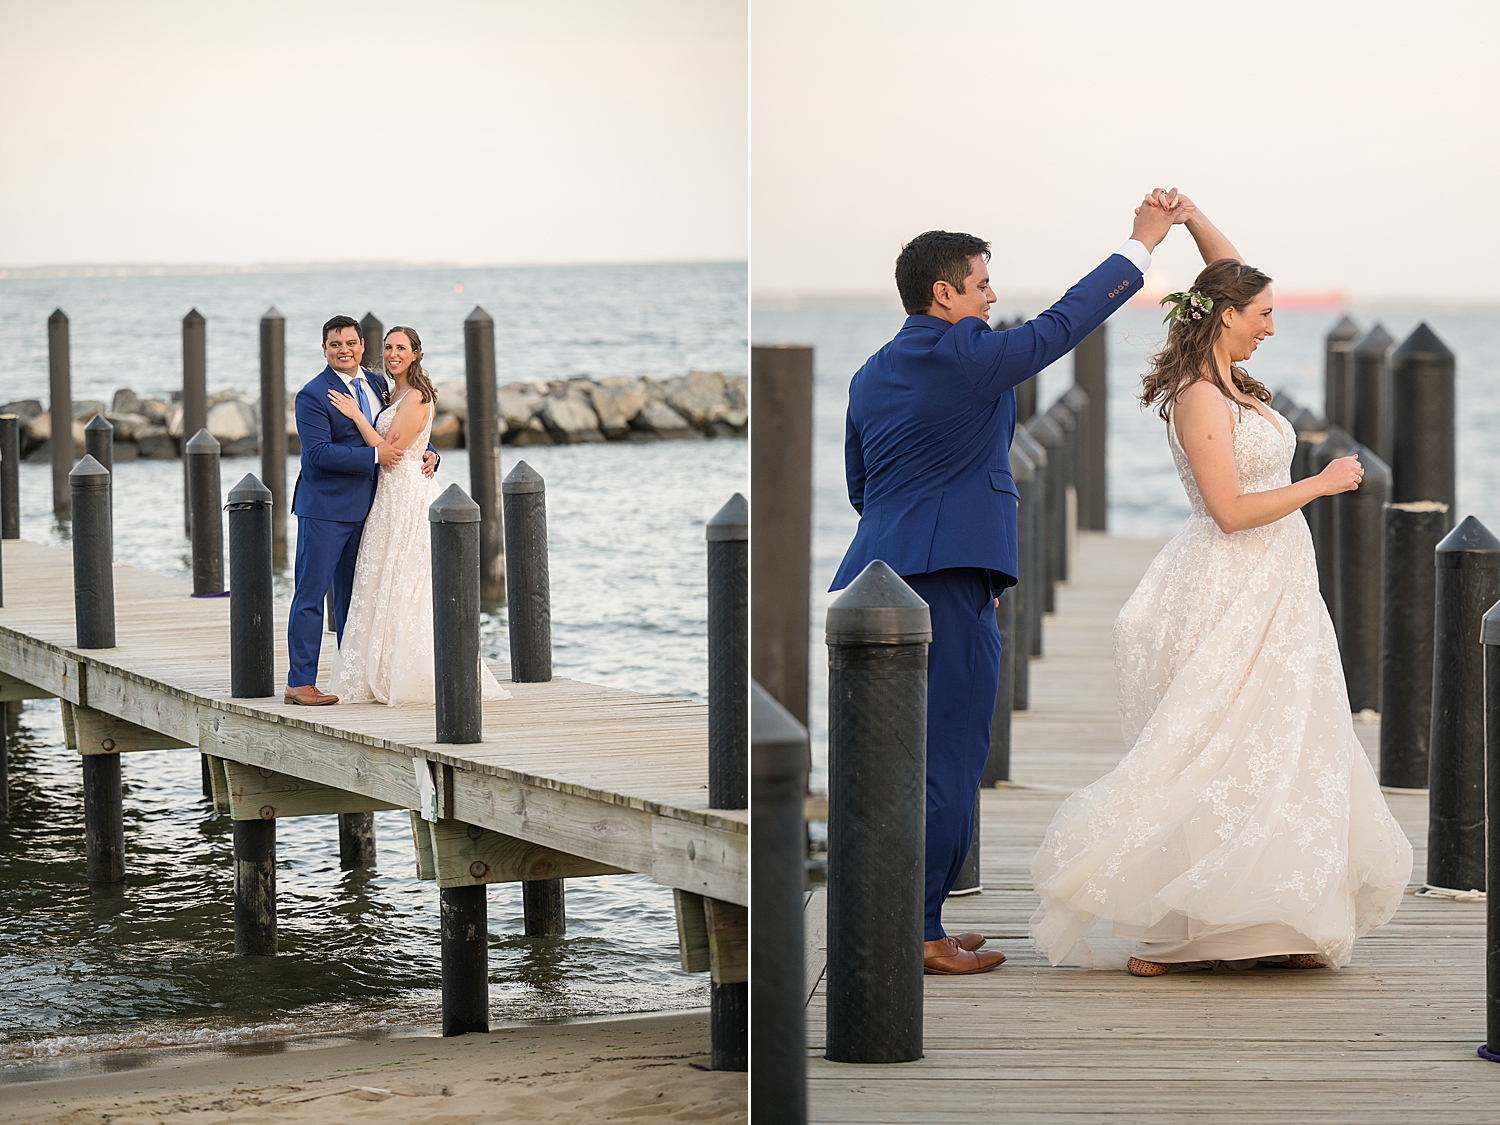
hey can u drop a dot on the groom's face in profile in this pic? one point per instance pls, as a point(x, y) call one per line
point(975, 300)
point(343, 349)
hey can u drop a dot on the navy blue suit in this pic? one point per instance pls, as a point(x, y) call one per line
point(927, 460)
point(335, 488)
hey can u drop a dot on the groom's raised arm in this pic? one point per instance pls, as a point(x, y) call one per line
point(316, 436)
point(997, 361)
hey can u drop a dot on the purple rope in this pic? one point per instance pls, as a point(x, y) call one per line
point(1486, 1053)
point(220, 594)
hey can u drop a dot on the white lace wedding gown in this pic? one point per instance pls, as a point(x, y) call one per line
point(387, 652)
point(1245, 821)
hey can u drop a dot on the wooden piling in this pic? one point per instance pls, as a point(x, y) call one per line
point(255, 887)
point(482, 438)
point(1090, 374)
point(372, 332)
point(1031, 533)
point(356, 840)
point(273, 424)
point(194, 396)
point(1370, 391)
point(1360, 517)
point(1023, 472)
point(1337, 375)
point(60, 382)
point(1423, 438)
point(206, 525)
point(10, 476)
point(1321, 519)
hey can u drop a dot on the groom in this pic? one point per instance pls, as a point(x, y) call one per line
point(926, 450)
point(332, 498)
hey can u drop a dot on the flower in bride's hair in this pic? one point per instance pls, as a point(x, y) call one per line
point(1187, 307)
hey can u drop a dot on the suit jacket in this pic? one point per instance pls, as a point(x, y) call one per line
point(338, 474)
point(927, 437)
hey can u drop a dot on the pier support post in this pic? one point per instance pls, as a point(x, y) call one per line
point(1032, 535)
point(356, 839)
point(252, 672)
point(194, 397)
point(206, 524)
point(99, 442)
point(1468, 584)
point(1422, 430)
point(10, 476)
point(1490, 635)
point(1091, 379)
point(781, 393)
point(1360, 517)
point(1337, 374)
point(455, 524)
point(877, 632)
point(60, 405)
point(482, 439)
point(4, 761)
point(778, 779)
point(1370, 391)
point(1049, 435)
point(1412, 533)
point(255, 888)
point(1023, 472)
point(273, 424)
point(1322, 522)
point(528, 600)
point(728, 536)
point(103, 820)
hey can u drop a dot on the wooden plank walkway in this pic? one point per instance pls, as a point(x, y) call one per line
point(607, 776)
point(1391, 1038)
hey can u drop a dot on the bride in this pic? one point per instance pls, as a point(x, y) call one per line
point(1245, 823)
point(386, 654)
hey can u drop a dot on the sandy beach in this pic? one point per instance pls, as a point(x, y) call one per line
point(630, 1069)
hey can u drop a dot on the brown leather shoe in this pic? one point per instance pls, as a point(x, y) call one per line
point(970, 942)
point(944, 958)
point(308, 695)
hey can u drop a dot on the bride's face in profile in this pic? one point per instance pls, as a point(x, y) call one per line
point(1243, 331)
point(398, 353)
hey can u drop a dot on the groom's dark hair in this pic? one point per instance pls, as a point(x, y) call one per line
point(339, 323)
point(937, 255)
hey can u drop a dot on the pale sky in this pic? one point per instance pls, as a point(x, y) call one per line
point(1343, 147)
point(481, 132)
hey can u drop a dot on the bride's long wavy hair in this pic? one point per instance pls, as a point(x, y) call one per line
point(1189, 352)
point(420, 381)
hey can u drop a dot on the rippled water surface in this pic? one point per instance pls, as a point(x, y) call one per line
point(1145, 496)
point(154, 965)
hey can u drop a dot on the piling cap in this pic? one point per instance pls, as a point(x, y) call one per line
point(1469, 546)
point(479, 316)
point(1284, 404)
point(203, 443)
point(1022, 467)
point(1045, 430)
point(249, 493)
point(1344, 332)
point(1337, 444)
point(1062, 415)
point(368, 321)
point(99, 422)
point(731, 522)
point(194, 317)
point(523, 478)
point(1377, 472)
point(1076, 397)
point(778, 742)
point(272, 313)
point(877, 608)
point(453, 506)
point(1307, 421)
point(1422, 342)
point(1030, 446)
point(1489, 632)
point(88, 476)
point(1377, 341)
point(57, 314)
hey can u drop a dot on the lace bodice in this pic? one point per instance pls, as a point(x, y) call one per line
point(1263, 452)
point(411, 462)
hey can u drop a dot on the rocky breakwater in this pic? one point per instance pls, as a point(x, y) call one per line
point(563, 412)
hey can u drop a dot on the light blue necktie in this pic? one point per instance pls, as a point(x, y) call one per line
point(364, 401)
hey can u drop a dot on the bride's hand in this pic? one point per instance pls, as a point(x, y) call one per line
point(1184, 211)
point(345, 404)
point(1342, 475)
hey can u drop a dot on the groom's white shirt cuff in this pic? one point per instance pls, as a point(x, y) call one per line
point(1137, 254)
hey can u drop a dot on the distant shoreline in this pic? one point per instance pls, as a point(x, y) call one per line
point(209, 269)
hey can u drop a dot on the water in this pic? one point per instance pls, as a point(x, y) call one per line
point(154, 966)
point(1145, 496)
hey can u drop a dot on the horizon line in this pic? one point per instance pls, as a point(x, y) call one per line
point(353, 265)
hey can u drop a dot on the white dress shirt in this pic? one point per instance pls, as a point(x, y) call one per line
point(1135, 251)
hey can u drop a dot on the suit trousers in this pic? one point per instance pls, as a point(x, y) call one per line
point(326, 553)
point(963, 676)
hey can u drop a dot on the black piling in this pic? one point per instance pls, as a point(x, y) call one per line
point(99, 442)
point(781, 399)
point(482, 439)
point(103, 820)
point(10, 476)
point(1023, 472)
point(1032, 536)
point(252, 670)
point(206, 525)
point(778, 779)
point(1053, 529)
point(997, 765)
point(356, 840)
point(454, 519)
point(1025, 401)
point(968, 881)
point(1422, 420)
point(372, 332)
point(273, 424)
point(1090, 381)
point(1360, 517)
point(1338, 375)
point(528, 599)
point(878, 631)
point(728, 535)
point(60, 389)
point(1322, 520)
point(4, 761)
point(1490, 635)
point(1412, 533)
point(1468, 584)
point(194, 397)
point(1063, 417)
point(255, 888)
point(1370, 391)
point(1311, 430)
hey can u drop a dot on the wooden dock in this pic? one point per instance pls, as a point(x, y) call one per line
point(572, 779)
point(1391, 1038)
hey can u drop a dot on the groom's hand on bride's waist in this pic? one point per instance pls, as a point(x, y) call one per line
point(429, 464)
point(386, 453)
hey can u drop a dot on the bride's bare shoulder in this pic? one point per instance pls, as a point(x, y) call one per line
point(1202, 407)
